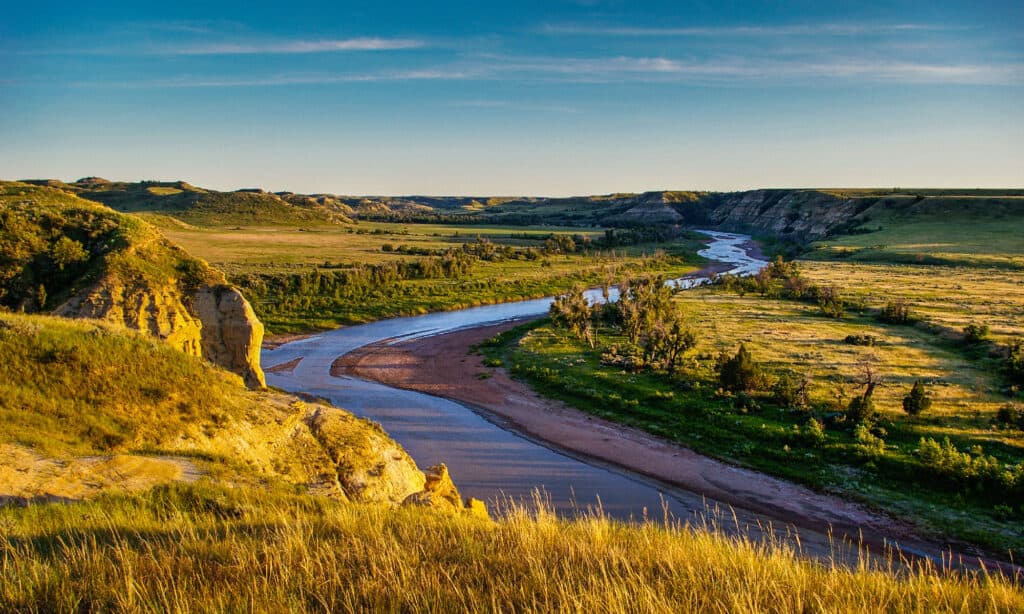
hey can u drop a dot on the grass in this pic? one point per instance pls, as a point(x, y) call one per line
point(960, 231)
point(69, 387)
point(788, 336)
point(267, 262)
point(949, 297)
point(208, 548)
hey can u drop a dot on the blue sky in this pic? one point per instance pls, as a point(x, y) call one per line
point(508, 98)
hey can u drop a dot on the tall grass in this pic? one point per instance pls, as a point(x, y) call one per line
point(199, 548)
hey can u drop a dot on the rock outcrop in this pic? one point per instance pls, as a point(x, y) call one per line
point(80, 259)
point(439, 492)
point(231, 333)
point(214, 322)
point(804, 215)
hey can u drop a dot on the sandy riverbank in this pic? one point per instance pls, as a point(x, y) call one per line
point(442, 366)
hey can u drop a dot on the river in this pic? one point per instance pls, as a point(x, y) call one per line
point(486, 461)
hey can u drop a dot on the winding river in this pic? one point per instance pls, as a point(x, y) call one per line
point(489, 462)
point(486, 461)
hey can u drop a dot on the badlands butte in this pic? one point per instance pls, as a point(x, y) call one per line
point(138, 426)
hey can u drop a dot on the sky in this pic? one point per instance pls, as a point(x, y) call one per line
point(515, 98)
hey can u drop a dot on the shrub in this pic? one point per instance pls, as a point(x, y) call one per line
point(813, 432)
point(860, 410)
point(868, 340)
point(975, 333)
point(868, 445)
point(387, 247)
point(972, 467)
point(1014, 365)
point(740, 373)
point(791, 391)
point(831, 302)
point(1011, 415)
point(917, 401)
point(896, 311)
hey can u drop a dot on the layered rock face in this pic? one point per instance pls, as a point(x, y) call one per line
point(795, 214)
point(215, 322)
point(231, 333)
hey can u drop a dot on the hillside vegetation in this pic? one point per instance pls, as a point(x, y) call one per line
point(830, 356)
point(77, 258)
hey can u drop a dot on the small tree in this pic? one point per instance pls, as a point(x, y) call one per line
point(668, 340)
point(896, 311)
point(571, 310)
point(975, 333)
point(862, 408)
point(67, 251)
point(830, 302)
point(1014, 364)
point(917, 401)
point(740, 373)
point(791, 390)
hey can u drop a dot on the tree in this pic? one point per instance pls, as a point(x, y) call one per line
point(862, 408)
point(1014, 364)
point(67, 251)
point(667, 341)
point(830, 302)
point(917, 401)
point(975, 333)
point(572, 310)
point(896, 311)
point(642, 303)
point(740, 373)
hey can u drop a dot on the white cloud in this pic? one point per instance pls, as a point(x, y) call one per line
point(293, 46)
point(833, 29)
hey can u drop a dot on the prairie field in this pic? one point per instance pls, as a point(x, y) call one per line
point(209, 548)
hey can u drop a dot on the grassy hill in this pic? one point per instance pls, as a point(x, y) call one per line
point(204, 207)
point(75, 257)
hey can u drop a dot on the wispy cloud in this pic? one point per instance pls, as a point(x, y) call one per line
point(291, 46)
point(278, 80)
point(748, 70)
point(504, 105)
point(832, 29)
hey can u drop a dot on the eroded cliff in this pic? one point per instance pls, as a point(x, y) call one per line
point(77, 258)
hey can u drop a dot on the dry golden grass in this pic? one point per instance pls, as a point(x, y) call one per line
point(787, 335)
point(950, 296)
point(196, 549)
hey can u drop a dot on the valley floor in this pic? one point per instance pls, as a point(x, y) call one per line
point(425, 365)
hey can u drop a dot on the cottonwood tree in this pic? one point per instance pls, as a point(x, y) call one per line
point(572, 310)
point(668, 340)
point(862, 408)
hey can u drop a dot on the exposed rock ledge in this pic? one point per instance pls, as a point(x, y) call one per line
point(214, 322)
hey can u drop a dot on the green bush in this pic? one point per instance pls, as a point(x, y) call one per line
point(860, 410)
point(791, 390)
point(917, 401)
point(973, 468)
point(896, 311)
point(976, 333)
point(740, 373)
point(866, 340)
point(1011, 415)
point(1014, 365)
point(868, 445)
point(813, 433)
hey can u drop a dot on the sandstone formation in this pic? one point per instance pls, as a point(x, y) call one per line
point(214, 322)
point(231, 334)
